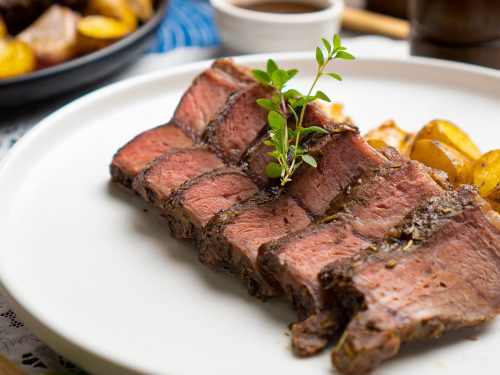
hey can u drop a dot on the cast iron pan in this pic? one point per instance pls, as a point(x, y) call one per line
point(82, 71)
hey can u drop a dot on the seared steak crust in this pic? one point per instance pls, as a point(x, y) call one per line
point(206, 96)
point(238, 124)
point(439, 270)
point(141, 150)
point(234, 236)
point(194, 203)
point(169, 171)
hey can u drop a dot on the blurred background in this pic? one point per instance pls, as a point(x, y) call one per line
point(52, 52)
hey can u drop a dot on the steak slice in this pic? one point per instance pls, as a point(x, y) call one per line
point(193, 204)
point(363, 213)
point(140, 151)
point(207, 95)
point(439, 270)
point(238, 124)
point(342, 156)
point(234, 236)
point(157, 181)
point(257, 157)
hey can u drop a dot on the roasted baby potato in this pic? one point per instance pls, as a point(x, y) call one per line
point(117, 9)
point(143, 9)
point(445, 132)
point(441, 156)
point(53, 36)
point(487, 176)
point(95, 32)
point(16, 58)
point(389, 134)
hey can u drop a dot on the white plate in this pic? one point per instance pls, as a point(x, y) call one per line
point(106, 286)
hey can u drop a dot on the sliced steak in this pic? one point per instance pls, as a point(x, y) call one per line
point(140, 151)
point(439, 270)
point(257, 157)
point(238, 124)
point(363, 213)
point(156, 182)
point(193, 204)
point(234, 236)
point(342, 157)
point(207, 95)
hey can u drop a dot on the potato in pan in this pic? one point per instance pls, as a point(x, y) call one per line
point(95, 32)
point(16, 58)
point(117, 9)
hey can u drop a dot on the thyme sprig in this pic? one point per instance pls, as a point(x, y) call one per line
point(289, 105)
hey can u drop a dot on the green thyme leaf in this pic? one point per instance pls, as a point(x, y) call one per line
point(292, 73)
point(267, 142)
point(266, 104)
point(336, 41)
point(313, 129)
point(261, 76)
point(276, 121)
point(335, 76)
point(271, 67)
point(291, 93)
point(319, 56)
point(321, 95)
point(280, 77)
point(309, 160)
point(273, 170)
point(327, 45)
point(345, 55)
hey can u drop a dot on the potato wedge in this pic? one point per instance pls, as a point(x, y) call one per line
point(53, 36)
point(388, 134)
point(445, 132)
point(16, 58)
point(3, 28)
point(95, 32)
point(487, 175)
point(441, 156)
point(143, 9)
point(118, 9)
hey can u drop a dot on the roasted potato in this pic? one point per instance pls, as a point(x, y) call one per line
point(53, 36)
point(16, 58)
point(389, 134)
point(95, 32)
point(445, 132)
point(3, 28)
point(441, 156)
point(487, 176)
point(143, 9)
point(117, 9)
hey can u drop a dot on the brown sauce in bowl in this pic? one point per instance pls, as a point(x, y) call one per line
point(287, 7)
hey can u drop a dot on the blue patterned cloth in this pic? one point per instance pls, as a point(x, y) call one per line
point(187, 23)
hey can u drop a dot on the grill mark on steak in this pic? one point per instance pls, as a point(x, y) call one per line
point(207, 94)
point(233, 237)
point(141, 150)
point(193, 204)
point(157, 181)
point(238, 124)
point(439, 270)
point(363, 213)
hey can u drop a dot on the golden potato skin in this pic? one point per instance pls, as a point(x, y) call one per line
point(143, 9)
point(95, 32)
point(3, 28)
point(16, 58)
point(487, 176)
point(441, 156)
point(448, 133)
point(389, 134)
point(118, 9)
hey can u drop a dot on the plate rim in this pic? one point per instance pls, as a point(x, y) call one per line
point(73, 349)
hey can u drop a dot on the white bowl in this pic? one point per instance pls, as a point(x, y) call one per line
point(248, 31)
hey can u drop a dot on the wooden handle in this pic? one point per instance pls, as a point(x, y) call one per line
point(7, 367)
point(374, 23)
